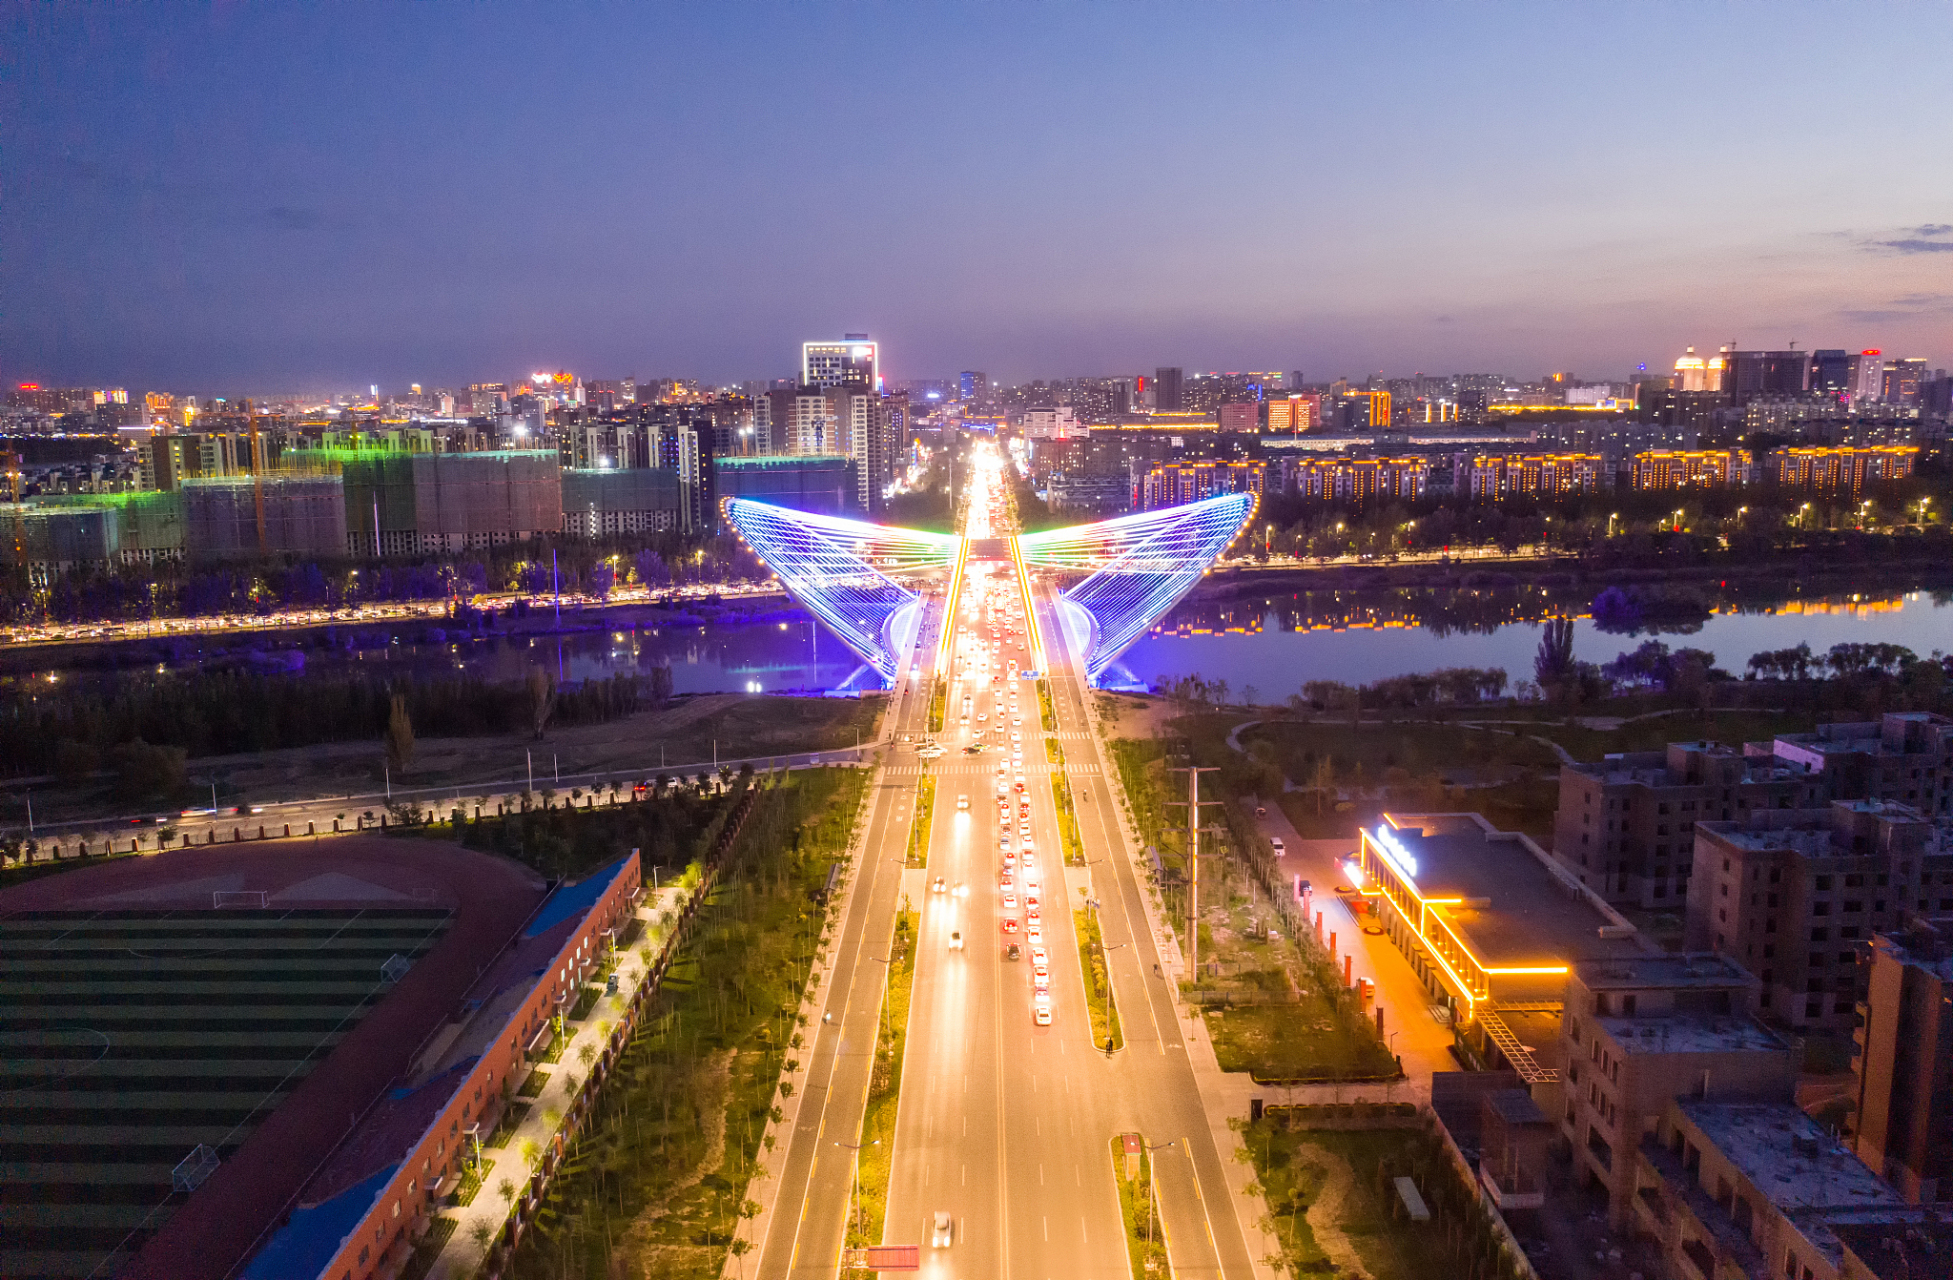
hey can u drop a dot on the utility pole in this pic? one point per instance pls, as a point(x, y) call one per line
point(1194, 829)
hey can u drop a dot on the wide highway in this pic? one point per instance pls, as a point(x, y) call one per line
point(1005, 1123)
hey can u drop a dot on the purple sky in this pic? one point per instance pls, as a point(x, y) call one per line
point(240, 198)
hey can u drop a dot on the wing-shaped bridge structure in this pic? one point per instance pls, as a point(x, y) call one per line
point(1137, 567)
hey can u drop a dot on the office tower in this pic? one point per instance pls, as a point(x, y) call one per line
point(1766, 373)
point(1166, 391)
point(851, 362)
point(973, 385)
point(1902, 380)
point(1831, 372)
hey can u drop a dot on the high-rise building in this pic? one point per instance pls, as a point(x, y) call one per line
point(1766, 373)
point(1831, 372)
point(851, 362)
point(1295, 413)
point(1867, 379)
point(1902, 380)
point(1166, 391)
point(1694, 373)
point(973, 385)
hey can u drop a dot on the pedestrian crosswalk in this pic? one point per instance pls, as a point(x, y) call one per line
point(974, 769)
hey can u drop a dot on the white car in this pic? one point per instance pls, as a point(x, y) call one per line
point(1038, 956)
point(1041, 1009)
point(941, 1230)
point(956, 940)
point(963, 803)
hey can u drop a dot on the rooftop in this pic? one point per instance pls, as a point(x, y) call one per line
point(1898, 1244)
point(1691, 1033)
point(1516, 908)
point(1705, 969)
point(1788, 1156)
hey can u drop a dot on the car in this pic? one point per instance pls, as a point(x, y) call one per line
point(930, 750)
point(1040, 979)
point(1031, 914)
point(1012, 952)
point(956, 940)
point(1276, 844)
point(1024, 830)
point(942, 1230)
point(1010, 858)
point(1041, 1011)
point(1038, 956)
point(939, 886)
point(1010, 902)
point(1010, 924)
point(963, 803)
point(1003, 846)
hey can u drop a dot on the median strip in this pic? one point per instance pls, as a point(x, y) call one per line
point(1093, 962)
point(876, 1154)
point(1061, 801)
point(925, 806)
point(1132, 1169)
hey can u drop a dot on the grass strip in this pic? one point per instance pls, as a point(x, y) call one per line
point(428, 1248)
point(1145, 1234)
point(464, 1190)
point(925, 805)
point(877, 1155)
point(512, 1117)
point(938, 704)
point(1098, 982)
point(533, 1086)
point(1061, 800)
point(656, 1181)
point(1047, 710)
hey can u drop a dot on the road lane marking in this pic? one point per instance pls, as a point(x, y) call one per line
point(1047, 1230)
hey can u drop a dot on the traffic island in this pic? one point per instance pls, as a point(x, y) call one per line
point(1106, 1032)
point(1132, 1173)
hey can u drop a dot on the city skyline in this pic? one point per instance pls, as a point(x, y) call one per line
point(279, 198)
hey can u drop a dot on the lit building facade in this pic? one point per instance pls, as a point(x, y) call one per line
point(853, 362)
point(1846, 468)
point(1510, 475)
point(1173, 484)
point(1691, 468)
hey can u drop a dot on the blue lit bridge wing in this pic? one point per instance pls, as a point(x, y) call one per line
point(835, 568)
point(1140, 566)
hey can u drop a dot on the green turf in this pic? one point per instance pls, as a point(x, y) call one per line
point(128, 1038)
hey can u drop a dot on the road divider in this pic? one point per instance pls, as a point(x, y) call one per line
point(875, 1148)
point(925, 806)
point(1132, 1171)
point(1062, 802)
point(1106, 1032)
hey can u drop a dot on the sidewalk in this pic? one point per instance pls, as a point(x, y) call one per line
point(462, 1256)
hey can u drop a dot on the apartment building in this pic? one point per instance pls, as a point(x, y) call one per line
point(1904, 1057)
point(1905, 756)
point(1762, 1190)
point(1795, 893)
point(1636, 1033)
point(1626, 823)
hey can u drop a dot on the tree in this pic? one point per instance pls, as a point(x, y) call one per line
point(399, 735)
point(143, 771)
point(1553, 664)
point(542, 698)
point(661, 685)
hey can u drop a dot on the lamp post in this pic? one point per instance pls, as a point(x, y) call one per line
point(1152, 1191)
point(854, 1194)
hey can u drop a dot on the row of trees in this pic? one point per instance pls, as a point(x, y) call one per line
point(540, 567)
point(78, 730)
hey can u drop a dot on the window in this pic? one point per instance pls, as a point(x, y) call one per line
point(1820, 935)
point(1823, 883)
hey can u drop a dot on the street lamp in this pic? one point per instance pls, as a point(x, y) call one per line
point(854, 1195)
point(1152, 1191)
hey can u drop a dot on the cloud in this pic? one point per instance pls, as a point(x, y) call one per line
point(286, 218)
point(1905, 307)
point(1934, 229)
point(1915, 245)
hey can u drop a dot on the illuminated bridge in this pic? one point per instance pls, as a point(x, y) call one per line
point(1135, 568)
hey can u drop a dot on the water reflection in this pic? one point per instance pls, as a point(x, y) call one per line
point(1276, 643)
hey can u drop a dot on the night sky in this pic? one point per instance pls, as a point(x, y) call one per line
point(248, 198)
